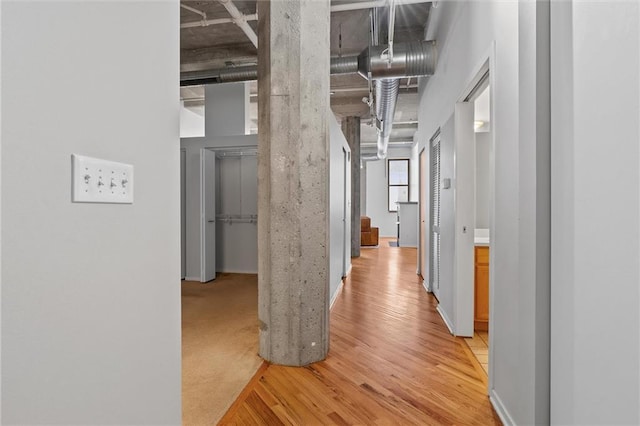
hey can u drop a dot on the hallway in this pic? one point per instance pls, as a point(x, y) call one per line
point(392, 360)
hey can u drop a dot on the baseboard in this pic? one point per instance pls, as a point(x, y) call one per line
point(335, 295)
point(426, 286)
point(501, 410)
point(348, 271)
point(446, 319)
point(192, 279)
point(481, 325)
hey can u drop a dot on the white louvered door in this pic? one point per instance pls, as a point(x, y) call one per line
point(435, 215)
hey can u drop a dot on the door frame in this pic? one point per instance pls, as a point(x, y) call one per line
point(205, 221)
point(183, 213)
point(431, 287)
point(423, 217)
point(346, 210)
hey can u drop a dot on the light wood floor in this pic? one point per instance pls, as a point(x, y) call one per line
point(479, 345)
point(392, 360)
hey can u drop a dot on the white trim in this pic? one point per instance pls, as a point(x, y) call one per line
point(192, 279)
point(252, 272)
point(335, 295)
point(446, 319)
point(348, 270)
point(501, 410)
point(425, 284)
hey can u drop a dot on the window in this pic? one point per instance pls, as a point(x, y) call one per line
point(398, 182)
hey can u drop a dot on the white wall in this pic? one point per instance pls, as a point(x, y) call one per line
point(191, 121)
point(595, 213)
point(414, 171)
point(468, 34)
point(377, 207)
point(90, 292)
point(337, 236)
point(445, 289)
point(483, 189)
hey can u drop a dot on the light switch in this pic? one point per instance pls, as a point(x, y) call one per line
point(100, 181)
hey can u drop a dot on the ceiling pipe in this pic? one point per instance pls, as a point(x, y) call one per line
point(392, 24)
point(218, 21)
point(371, 4)
point(240, 20)
point(194, 10)
point(413, 59)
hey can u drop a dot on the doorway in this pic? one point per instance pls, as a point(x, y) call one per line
point(474, 206)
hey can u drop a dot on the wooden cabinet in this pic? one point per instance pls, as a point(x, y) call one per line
point(481, 315)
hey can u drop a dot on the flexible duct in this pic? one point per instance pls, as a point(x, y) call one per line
point(344, 65)
point(224, 75)
point(339, 65)
point(413, 59)
point(386, 98)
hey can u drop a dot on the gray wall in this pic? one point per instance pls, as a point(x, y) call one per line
point(336, 205)
point(227, 109)
point(377, 206)
point(246, 237)
point(483, 193)
point(192, 146)
point(226, 118)
point(595, 213)
point(237, 193)
point(90, 292)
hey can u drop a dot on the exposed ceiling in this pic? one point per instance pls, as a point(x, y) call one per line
point(226, 45)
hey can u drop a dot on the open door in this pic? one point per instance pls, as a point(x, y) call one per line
point(183, 213)
point(207, 215)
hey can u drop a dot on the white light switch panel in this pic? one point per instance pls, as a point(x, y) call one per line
point(101, 181)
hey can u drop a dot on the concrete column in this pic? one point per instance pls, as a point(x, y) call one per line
point(293, 180)
point(351, 130)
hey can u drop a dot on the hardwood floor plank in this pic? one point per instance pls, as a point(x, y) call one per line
point(392, 360)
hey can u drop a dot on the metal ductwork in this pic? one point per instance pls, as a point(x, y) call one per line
point(344, 65)
point(224, 75)
point(386, 99)
point(413, 59)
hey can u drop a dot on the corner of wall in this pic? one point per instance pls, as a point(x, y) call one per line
point(500, 408)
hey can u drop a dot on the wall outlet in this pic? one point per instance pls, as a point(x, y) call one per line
point(100, 181)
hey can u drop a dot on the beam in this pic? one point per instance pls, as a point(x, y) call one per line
point(371, 4)
point(216, 57)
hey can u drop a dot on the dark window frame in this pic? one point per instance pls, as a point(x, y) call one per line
point(390, 185)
